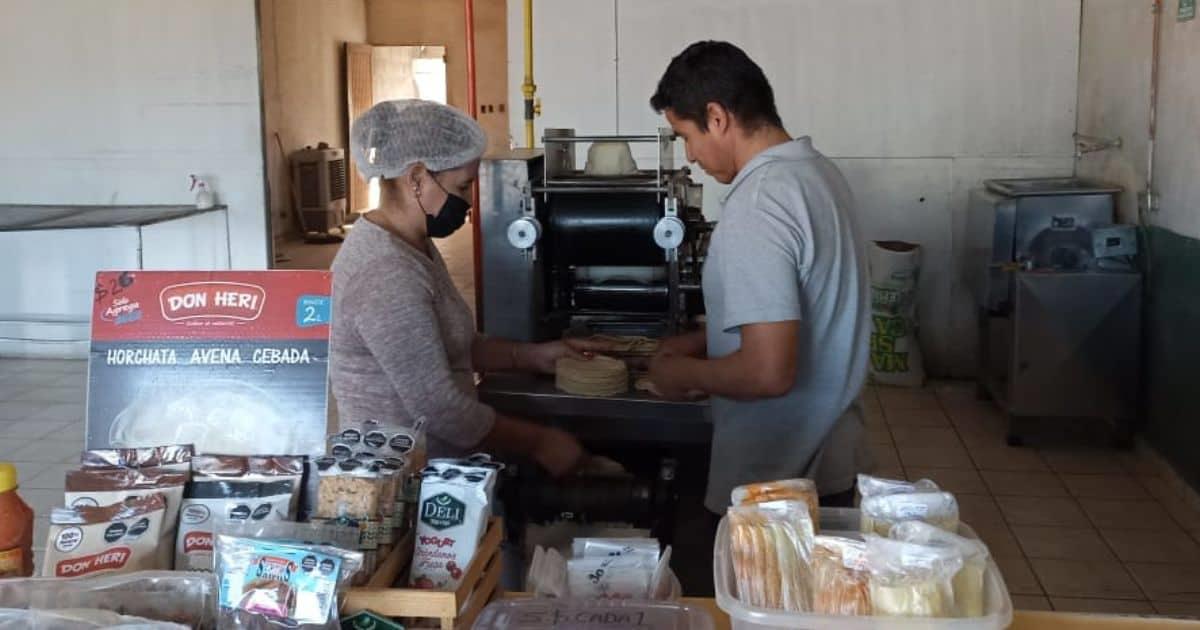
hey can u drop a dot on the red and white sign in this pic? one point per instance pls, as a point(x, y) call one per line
point(212, 300)
point(106, 560)
point(197, 541)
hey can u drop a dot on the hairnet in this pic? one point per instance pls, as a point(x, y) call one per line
point(393, 135)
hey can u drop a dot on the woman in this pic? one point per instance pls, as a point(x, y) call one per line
point(404, 346)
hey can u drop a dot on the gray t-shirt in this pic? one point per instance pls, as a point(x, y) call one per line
point(786, 249)
point(400, 349)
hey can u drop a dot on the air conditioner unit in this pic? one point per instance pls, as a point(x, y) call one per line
point(319, 188)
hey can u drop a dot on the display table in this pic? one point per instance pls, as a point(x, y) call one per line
point(1022, 619)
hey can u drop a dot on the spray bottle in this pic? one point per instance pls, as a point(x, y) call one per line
point(204, 196)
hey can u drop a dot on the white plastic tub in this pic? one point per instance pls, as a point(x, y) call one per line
point(844, 522)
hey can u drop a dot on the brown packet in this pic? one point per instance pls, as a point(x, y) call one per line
point(175, 457)
point(118, 538)
point(97, 487)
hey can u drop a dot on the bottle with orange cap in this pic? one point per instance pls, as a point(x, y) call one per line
point(16, 527)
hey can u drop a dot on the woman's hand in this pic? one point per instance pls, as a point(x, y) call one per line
point(541, 357)
point(558, 452)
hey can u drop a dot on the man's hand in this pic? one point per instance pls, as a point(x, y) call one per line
point(668, 374)
point(541, 357)
point(558, 452)
point(693, 344)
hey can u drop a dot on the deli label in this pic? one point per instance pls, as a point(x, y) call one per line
point(443, 511)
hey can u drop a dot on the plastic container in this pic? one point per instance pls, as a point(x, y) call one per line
point(189, 599)
point(578, 614)
point(16, 527)
point(997, 609)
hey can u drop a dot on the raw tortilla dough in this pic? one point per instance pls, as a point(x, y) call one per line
point(609, 159)
point(599, 376)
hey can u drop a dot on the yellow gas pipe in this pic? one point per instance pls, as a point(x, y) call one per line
point(528, 88)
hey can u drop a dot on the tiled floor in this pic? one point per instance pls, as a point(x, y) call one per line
point(1071, 528)
point(41, 429)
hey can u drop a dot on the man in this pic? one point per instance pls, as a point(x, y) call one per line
point(784, 353)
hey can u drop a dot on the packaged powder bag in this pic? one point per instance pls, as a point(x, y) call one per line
point(173, 457)
point(232, 488)
point(895, 269)
point(117, 538)
point(452, 516)
point(880, 512)
point(96, 487)
point(968, 581)
point(268, 584)
point(911, 580)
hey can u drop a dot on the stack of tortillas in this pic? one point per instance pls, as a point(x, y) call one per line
point(598, 376)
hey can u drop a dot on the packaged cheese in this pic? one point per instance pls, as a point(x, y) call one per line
point(786, 489)
point(840, 577)
point(96, 487)
point(771, 549)
point(880, 512)
point(452, 517)
point(615, 577)
point(911, 580)
point(117, 538)
point(968, 581)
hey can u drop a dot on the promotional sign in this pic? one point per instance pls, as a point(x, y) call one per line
point(233, 362)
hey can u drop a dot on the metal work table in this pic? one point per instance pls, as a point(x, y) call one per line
point(633, 416)
point(19, 217)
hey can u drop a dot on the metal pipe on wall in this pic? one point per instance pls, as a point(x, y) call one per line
point(529, 88)
point(473, 107)
point(1148, 202)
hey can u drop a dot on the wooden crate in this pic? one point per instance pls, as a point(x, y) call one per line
point(453, 609)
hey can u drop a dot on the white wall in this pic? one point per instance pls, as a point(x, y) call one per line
point(1177, 149)
point(917, 100)
point(116, 102)
point(1114, 93)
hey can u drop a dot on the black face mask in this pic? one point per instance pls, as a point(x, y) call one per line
point(449, 217)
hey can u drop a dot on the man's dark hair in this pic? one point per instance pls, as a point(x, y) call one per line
point(716, 72)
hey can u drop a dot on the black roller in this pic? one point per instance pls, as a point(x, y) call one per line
point(621, 296)
point(605, 229)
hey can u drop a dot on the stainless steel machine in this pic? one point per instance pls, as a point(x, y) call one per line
point(567, 251)
point(1059, 301)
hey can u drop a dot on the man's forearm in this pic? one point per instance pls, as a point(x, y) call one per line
point(732, 376)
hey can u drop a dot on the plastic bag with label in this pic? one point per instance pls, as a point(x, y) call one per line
point(968, 581)
point(911, 580)
point(879, 513)
point(840, 577)
point(771, 548)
